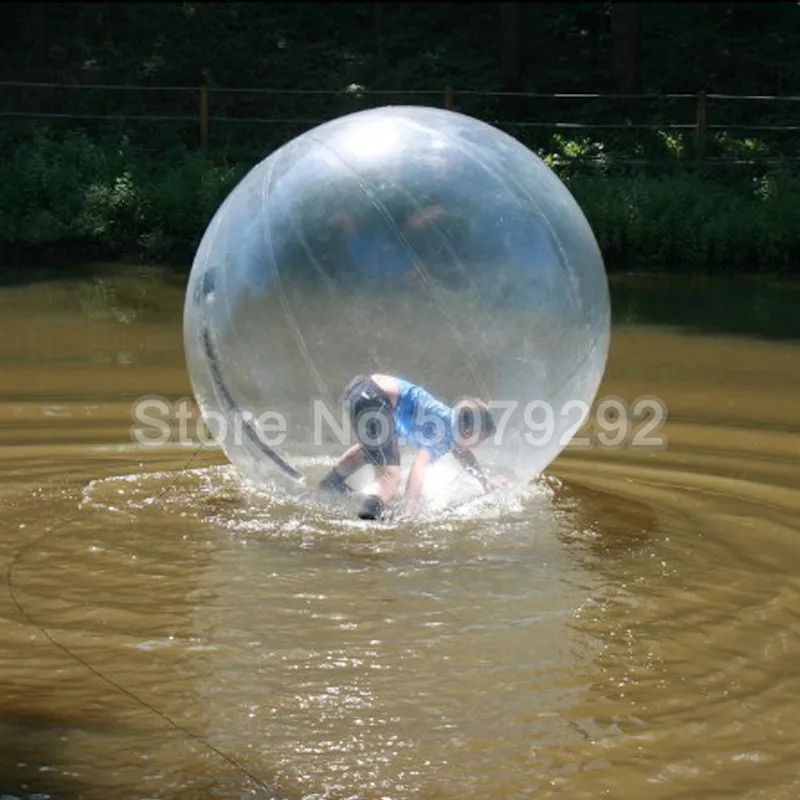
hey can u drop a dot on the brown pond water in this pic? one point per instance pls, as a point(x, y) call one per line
point(630, 630)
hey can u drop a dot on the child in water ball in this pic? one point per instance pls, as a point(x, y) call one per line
point(381, 409)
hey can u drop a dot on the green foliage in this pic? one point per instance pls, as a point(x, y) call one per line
point(693, 222)
point(723, 47)
point(93, 184)
point(75, 195)
point(112, 199)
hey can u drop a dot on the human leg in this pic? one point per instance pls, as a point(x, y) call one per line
point(380, 491)
point(373, 419)
point(351, 461)
point(355, 456)
point(386, 483)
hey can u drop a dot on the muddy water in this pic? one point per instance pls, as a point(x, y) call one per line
point(629, 628)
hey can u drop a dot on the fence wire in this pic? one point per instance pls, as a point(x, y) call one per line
point(214, 116)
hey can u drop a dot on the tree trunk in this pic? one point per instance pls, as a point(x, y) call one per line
point(626, 56)
point(378, 70)
point(511, 45)
point(377, 24)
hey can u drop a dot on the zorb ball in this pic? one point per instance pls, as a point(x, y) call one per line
point(411, 241)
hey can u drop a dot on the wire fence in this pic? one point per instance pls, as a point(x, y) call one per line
point(209, 116)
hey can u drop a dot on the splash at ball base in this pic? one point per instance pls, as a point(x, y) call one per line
point(408, 241)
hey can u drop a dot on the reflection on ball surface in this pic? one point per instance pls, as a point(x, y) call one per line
point(412, 241)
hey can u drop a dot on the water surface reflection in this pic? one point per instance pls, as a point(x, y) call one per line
point(626, 627)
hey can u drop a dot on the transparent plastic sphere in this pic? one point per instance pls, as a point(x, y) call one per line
point(412, 241)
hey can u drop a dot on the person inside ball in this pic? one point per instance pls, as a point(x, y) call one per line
point(383, 408)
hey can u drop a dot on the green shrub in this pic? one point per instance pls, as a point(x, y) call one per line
point(75, 196)
point(696, 223)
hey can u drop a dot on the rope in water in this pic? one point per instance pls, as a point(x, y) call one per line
point(61, 523)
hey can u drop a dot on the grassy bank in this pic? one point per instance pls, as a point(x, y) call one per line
point(73, 197)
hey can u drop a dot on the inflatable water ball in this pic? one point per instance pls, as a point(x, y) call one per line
point(412, 241)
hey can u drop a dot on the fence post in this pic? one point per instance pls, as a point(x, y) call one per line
point(204, 112)
point(449, 97)
point(701, 130)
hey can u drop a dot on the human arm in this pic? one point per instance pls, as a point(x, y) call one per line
point(414, 484)
point(470, 464)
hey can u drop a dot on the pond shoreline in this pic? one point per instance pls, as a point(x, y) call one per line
point(59, 266)
point(762, 306)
